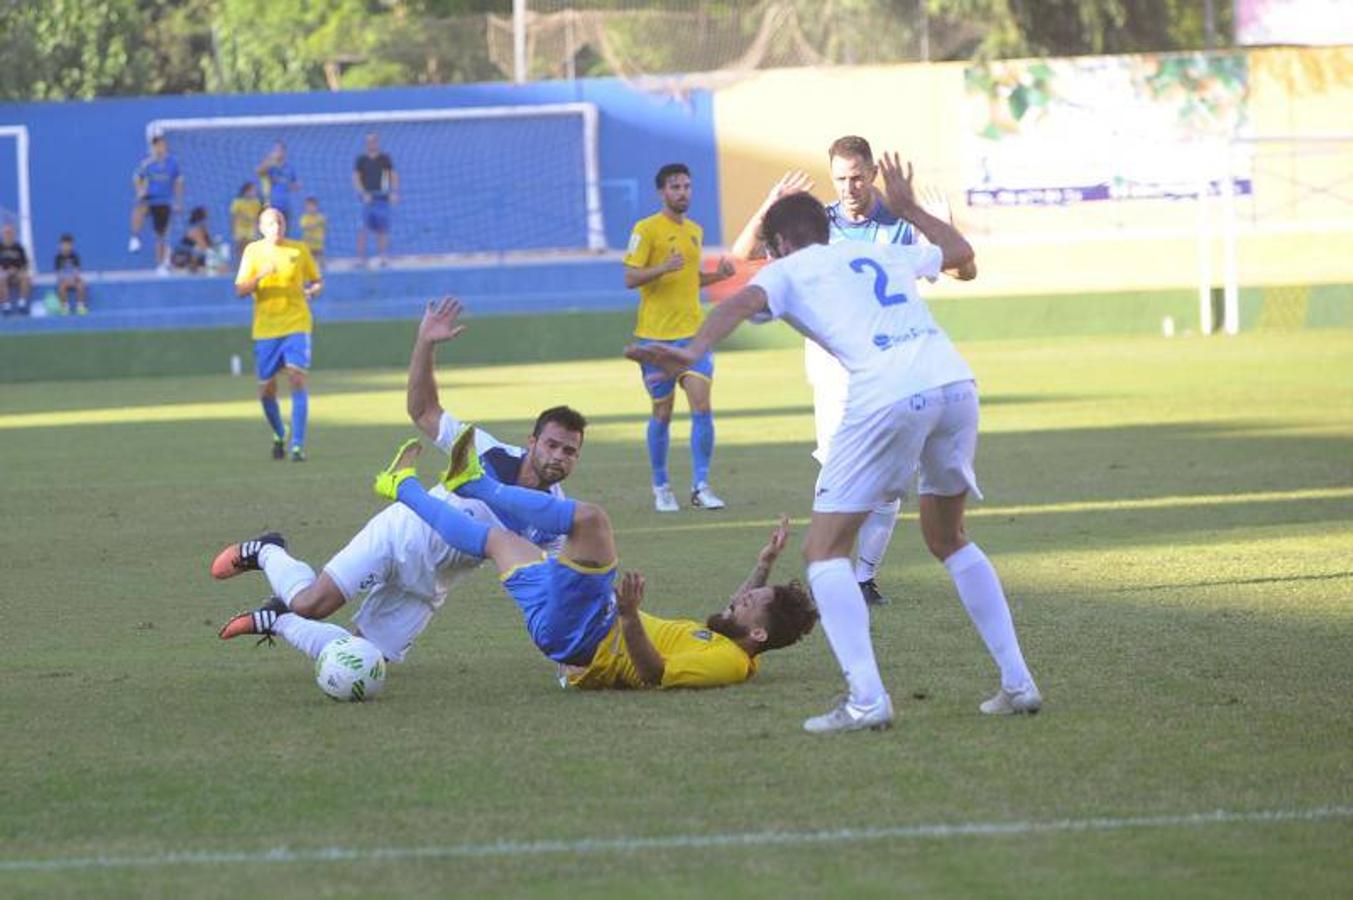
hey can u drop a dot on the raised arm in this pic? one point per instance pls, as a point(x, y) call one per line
point(959, 259)
point(748, 243)
point(648, 662)
point(726, 317)
point(765, 560)
point(439, 324)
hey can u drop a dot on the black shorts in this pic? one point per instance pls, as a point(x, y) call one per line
point(159, 218)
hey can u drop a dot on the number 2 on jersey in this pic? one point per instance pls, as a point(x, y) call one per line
point(880, 281)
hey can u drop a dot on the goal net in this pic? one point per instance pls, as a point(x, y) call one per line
point(471, 181)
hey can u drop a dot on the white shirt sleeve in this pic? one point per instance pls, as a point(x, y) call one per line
point(928, 259)
point(773, 281)
point(447, 430)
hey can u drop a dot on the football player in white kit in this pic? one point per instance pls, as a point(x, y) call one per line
point(911, 407)
point(862, 214)
point(404, 568)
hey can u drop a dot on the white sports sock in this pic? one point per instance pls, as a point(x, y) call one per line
point(307, 635)
point(875, 533)
point(845, 618)
point(980, 590)
point(287, 575)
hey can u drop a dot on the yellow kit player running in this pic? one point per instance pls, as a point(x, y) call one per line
point(282, 277)
point(663, 262)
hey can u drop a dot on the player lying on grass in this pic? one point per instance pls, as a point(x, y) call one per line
point(403, 567)
point(574, 612)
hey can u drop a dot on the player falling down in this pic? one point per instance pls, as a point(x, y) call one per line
point(574, 612)
point(405, 570)
point(912, 407)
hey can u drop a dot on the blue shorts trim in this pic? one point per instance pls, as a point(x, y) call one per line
point(568, 610)
point(291, 351)
point(376, 215)
point(661, 389)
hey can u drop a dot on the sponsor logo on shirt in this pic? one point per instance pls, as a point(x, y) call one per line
point(888, 341)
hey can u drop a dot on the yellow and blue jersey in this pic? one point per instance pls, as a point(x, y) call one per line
point(693, 657)
point(314, 228)
point(669, 306)
point(244, 217)
point(280, 304)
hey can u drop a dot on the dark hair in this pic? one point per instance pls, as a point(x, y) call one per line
point(68, 238)
point(199, 214)
point(851, 145)
point(667, 171)
point(563, 416)
point(799, 218)
point(312, 200)
point(244, 188)
point(156, 139)
point(789, 616)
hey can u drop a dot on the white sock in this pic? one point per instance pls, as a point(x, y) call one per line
point(845, 618)
point(980, 590)
point(872, 543)
point(287, 575)
point(307, 635)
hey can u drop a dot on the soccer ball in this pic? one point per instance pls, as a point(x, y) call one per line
point(350, 668)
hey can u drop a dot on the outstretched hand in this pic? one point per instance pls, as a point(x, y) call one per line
point(672, 361)
point(792, 182)
point(898, 192)
point(440, 321)
point(778, 538)
point(934, 201)
point(630, 593)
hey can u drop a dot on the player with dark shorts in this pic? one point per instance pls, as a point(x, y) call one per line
point(377, 184)
point(159, 191)
point(13, 273)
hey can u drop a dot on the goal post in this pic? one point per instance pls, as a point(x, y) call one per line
point(474, 180)
point(1277, 227)
point(22, 213)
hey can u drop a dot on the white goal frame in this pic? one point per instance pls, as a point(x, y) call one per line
point(596, 230)
point(1223, 212)
point(25, 200)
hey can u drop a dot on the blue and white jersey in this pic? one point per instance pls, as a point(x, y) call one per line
point(159, 176)
point(859, 302)
point(503, 462)
point(879, 227)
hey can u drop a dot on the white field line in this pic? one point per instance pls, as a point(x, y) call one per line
point(590, 846)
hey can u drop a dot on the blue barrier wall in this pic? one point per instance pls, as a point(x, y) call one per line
point(82, 155)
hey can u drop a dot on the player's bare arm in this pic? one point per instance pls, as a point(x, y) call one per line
point(748, 244)
point(440, 324)
point(723, 271)
point(245, 287)
point(648, 662)
point(958, 256)
point(637, 276)
point(725, 318)
point(765, 560)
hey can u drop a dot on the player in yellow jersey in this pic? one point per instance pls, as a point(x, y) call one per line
point(314, 229)
point(573, 611)
point(244, 210)
point(282, 277)
point(663, 262)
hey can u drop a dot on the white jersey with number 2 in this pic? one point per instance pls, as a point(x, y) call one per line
point(859, 303)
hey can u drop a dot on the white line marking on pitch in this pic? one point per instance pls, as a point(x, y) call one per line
point(683, 841)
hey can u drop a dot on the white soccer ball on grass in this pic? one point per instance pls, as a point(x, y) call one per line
point(350, 668)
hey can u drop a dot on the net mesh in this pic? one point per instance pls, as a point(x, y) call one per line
point(467, 185)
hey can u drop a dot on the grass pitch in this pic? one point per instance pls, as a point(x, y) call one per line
point(1173, 521)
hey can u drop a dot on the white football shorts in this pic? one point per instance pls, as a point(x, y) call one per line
point(875, 453)
point(392, 615)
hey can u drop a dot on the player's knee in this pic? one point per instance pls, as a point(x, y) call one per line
point(296, 380)
point(663, 412)
point(943, 546)
point(590, 517)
